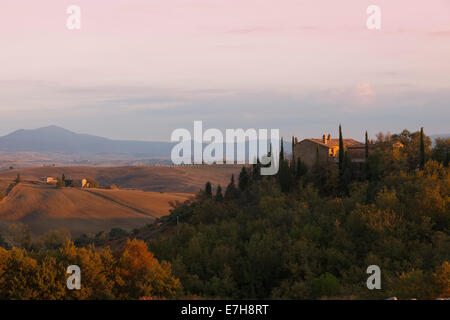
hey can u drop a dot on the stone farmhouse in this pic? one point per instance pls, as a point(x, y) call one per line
point(328, 148)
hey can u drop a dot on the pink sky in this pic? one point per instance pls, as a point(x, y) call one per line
point(195, 51)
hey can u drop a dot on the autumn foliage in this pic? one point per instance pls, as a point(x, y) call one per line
point(129, 273)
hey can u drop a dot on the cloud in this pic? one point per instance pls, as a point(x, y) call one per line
point(364, 93)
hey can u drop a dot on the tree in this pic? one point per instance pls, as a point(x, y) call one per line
point(366, 146)
point(18, 179)
point(285, 176)
point(441, 151)
point(282, 150)
point(3, 243)
point(53, 239)
point(141, 275)
point(256, 171)
point(243, 179)
point(231, 192)
point(293, 155)
point(327, 285)
point(422, 150)
point(208, 190)
point(20, 235)
point(117, 233)
point(219, 196)
point(366, 158)
point(341, 151)
point(19, 275)
point(441, 279)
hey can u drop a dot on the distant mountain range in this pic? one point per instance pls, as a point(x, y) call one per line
point(56, 139)
point(59, 140)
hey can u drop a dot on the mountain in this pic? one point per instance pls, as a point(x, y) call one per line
point(56, 139)
point(59, 140)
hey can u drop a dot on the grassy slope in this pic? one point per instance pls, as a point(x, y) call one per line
point(165, 179)
point(44, 207)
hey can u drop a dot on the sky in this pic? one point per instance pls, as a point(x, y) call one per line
point(139, 69)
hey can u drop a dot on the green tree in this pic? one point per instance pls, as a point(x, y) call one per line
point(19, 235)
point(422, 150)
point(231, 192)
point(285, 176)
point(441, 151)
point(366, 148)
point(341, 151)
point(3, 243)
point(208, 190)
point(53, 239)
point(117, 233)
point(219, 196)
point(293, 155)
point(243, 179)
point(282, 150)
point(327, 285)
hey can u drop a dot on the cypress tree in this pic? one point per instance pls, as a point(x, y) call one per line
point(285, 176)
point(293, 144)
point(317, 156)
point(367, 147)
point(208, 190)
point(422, 150)
point(341, 151)
point(230, 192)
point(281, 150)
point(219, 196)
point(243, 179)
point(256, 171)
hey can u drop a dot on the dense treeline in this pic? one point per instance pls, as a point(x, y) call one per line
point(313, 233)
point(129, 273)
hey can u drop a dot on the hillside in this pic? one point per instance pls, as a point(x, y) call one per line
point(44, 208)
point(158, 178)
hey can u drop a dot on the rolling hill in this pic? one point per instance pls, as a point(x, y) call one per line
point(43, 208)
point(145, 194)
point(180, 179)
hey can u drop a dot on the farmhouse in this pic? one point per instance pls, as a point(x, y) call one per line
point(49, 180)
point(328, 150)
